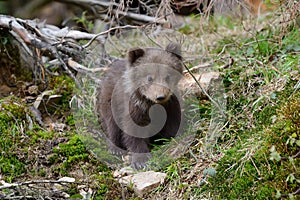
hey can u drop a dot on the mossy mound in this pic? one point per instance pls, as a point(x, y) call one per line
point(263, 106)
point(265, 163)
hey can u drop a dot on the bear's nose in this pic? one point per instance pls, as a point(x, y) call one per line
point(160, 97)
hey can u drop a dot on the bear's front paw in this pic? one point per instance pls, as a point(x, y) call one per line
point(139, 160)
point(114, 150)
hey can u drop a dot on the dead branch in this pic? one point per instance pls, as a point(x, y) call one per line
point(108, 31)
point(15, 185)
point(36, 189)
point(80, 68)
point(49, 40)
point(100, 7)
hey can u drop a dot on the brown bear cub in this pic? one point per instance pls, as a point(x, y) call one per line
point(138, 100)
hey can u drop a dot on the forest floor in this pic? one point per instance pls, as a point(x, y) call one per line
point(256, 154)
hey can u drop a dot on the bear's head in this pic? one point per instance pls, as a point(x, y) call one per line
point(154, 73)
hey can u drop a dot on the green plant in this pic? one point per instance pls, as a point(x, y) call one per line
point(87, 24)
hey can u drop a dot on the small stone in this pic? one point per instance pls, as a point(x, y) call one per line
point(126, 180)
point(33, 90)
point(116, 174)
point(65, 195)
point(125, 171)
point(143, 182)
point(210, 172)
point(57, 127)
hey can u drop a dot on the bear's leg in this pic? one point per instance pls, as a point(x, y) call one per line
point(114, 142)
point(172, 126)
point(138, 147)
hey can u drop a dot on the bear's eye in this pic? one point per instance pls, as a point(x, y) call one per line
point(168, 78)
point(150, 79)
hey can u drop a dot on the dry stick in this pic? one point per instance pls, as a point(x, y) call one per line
point(54, 51)
point(14, 185)
point(294, 156)
point(108, 31)
point(20, 197)
point(67, 69)
point(123, 27)
point(47, 32)
point(80, 68)
point(204, 91)
point(294, 193)
point(205, 65)
point(139, 17)
point(13, 24)
point(23, 45)
point(104, 4)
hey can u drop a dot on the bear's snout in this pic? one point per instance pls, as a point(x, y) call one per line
point(160, 97)
point(162, 94)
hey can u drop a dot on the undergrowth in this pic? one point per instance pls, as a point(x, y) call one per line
point(261, 160)
point(257, 154)
point(30, 152)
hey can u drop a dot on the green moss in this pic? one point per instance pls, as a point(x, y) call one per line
point(247, 171)
point(68, 154)
point(72, 148)
point(70, 120)
point(61, 85)
point(12, 115)
point(39, 135)
point(11, 167)
point(75, 196)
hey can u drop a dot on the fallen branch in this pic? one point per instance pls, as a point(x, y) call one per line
point(49, 40)
point(15, 185)
point(80, 68)
point(98, 7)
point(38, 189)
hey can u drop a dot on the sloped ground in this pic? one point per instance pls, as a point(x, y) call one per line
point(256, 155)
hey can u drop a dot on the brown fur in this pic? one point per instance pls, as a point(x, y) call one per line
point(138, 88)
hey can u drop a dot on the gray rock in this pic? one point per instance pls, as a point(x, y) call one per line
point(125, 171)
point(143, 182)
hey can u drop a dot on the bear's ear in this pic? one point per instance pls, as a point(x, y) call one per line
point(134, 54)
point(175, 49)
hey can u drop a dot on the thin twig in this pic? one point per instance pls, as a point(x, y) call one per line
point(204, 91)
point(205, 65)
point(108, 31)
point(67, 69)
point(120, 13)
